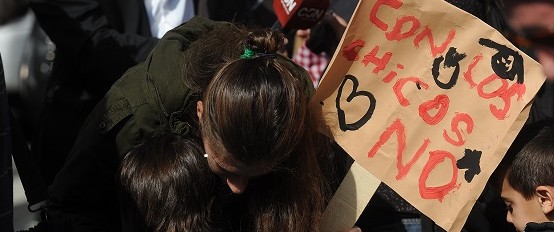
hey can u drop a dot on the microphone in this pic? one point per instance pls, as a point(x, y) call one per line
point(298, 14)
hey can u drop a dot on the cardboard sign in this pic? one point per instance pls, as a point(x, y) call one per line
point(426, 97)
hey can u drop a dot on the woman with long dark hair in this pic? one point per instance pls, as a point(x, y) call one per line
point(228, 89)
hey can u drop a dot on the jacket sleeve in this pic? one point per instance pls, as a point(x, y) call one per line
point(83, 196)
point(100, 37)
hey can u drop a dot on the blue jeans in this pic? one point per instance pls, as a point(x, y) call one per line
point(412, 224)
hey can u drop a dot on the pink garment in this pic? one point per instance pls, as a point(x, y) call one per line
point(315, 64)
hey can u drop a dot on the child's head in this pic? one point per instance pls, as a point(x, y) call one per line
point(166, 184)
point(528, 185)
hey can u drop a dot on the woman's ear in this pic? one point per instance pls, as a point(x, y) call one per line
point(545, 196)
point(199, 110)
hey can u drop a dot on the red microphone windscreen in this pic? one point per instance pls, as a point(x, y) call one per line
point(299, 14)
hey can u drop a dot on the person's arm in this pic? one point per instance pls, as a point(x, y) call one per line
point(85, 29)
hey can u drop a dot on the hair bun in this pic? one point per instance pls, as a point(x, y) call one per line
point(266, 41)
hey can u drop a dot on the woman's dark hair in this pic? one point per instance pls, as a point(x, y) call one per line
point(204, 58)
point(256, 109)
point(166, 185)
point(207, 55)
point(533, 166)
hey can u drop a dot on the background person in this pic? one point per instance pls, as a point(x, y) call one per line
point(527, 183)
point(96, 42)
point(532, 26)
point(6, 175)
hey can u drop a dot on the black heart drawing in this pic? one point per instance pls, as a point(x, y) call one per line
point(355, 93)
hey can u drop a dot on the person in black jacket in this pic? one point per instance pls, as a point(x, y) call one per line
point(6, 175)
point(96, 42)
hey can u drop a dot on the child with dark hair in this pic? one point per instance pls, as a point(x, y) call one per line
point(159, 178)
point(528, 182)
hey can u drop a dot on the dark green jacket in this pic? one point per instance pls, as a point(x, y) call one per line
point(150, 96)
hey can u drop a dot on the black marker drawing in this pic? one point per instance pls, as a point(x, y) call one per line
point(342, 117)
point(471, 162)
point(506, 63)
point(452, 59)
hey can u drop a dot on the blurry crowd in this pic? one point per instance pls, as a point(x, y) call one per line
point(62, 59)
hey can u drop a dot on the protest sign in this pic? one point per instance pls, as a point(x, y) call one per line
point(427, 98)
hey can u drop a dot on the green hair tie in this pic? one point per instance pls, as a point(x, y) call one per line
point(248, 53)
